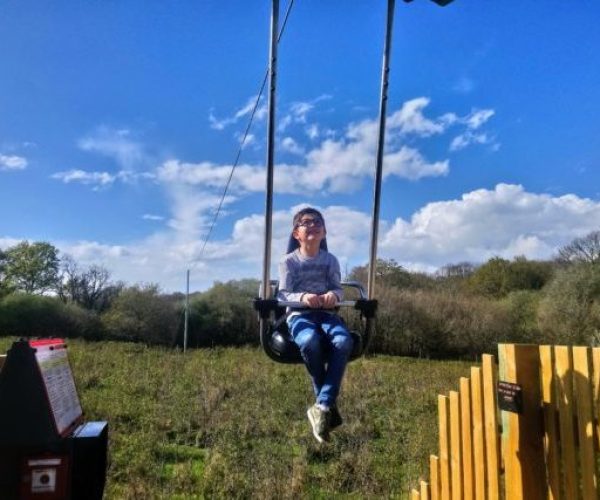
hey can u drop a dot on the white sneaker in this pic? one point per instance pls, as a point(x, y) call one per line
point(319, 421)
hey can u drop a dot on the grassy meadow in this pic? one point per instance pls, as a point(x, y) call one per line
point(229, 423)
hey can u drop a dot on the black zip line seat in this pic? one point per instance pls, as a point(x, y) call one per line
point(276, 338)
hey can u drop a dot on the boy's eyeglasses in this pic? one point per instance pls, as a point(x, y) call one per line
point(310, 223)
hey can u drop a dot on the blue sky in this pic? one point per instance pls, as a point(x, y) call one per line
point(119, 123)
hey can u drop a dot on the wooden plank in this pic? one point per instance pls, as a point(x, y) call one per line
point(455, 446)
point(490, 418)
point(424, 491)
point(585, 420)
point(522, 434)
point(596, 389)
point(415, 495)
point(564, 385)
point(2, 360)
point(443, 426)
point(478, 432)
point(466, 430)
point(550, 411)
point(434, 477)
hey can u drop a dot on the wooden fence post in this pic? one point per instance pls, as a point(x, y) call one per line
point(490, 417)
point(444, 455)
point(522, 436)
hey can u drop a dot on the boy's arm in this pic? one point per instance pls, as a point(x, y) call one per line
point(334, 279)
point(286, 292)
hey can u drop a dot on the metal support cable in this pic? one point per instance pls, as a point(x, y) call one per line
point(245, 136)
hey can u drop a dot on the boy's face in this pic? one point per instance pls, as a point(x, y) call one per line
point(309, 229)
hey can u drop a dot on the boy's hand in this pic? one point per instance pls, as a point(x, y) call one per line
point(311, 300)
point(328, 300)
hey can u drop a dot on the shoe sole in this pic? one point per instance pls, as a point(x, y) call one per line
point(313, 426)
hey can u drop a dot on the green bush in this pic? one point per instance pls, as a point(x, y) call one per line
point(522, 308)
point(25, 315)
point(569, 313)
point(498, 277)
point(223, 315)
point(141, 314)
point(429, 323)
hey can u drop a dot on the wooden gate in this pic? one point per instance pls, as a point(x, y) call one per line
point(542, 446)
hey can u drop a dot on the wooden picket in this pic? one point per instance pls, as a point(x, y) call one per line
point(2, 359)
point(547, 449)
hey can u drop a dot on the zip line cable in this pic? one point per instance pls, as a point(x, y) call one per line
point(243, 141)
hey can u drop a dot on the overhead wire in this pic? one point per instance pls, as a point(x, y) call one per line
point(245, 136)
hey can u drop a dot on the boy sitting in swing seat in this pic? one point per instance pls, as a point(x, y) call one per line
point(311, 275)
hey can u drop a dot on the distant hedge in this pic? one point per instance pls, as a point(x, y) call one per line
point(25, 315)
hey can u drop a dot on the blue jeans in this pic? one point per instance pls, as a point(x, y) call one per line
point(325, 345)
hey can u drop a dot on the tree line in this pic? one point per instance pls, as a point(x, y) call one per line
point(463, 309)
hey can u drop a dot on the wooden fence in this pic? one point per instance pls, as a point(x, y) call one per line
point(542, 446)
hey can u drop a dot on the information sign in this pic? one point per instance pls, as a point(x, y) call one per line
point(51, 357)
point(510, 397)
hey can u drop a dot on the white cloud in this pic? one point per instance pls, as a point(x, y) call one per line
point(116, 144)
point(12, 163)
point(478, 117)
point(473, 122)
point(466, 139)
point(98, 179)
point(312, 131)
point(289, 145)
point(506, 221)
point(153, 217)
point(246, 109)
point(409, 119)
point(298, 114)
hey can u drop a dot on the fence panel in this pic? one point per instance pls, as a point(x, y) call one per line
point(443, 416)
point(478, 433)
point(550, 441)
point(490, 417)
point(564, 385)
point(455, 446)
point(550, 411)
point(434, 481)
point(466, 429)
point(585, 420)
point(522, 442)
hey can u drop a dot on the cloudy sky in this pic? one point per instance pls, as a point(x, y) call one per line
point(120, 122)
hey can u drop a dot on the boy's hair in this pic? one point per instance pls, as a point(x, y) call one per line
point(307, 211)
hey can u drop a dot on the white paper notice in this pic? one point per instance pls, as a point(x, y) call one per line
point(60, 386)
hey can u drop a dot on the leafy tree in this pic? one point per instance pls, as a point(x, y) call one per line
point(490, 279)
point(32, 268)
point(585, 249)
point(570, 309)
point(88, 287)
point(498, 277)
point(223, 315)
point(140, 313)
point(387, 273)
point(5, 287)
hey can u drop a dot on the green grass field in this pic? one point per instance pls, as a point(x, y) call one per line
point(229, 423)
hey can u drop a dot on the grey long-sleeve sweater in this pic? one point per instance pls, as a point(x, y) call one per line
point(299, 274)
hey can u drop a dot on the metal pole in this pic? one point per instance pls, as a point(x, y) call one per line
point(380, 146)
point(266, 286)
point(187, 314)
